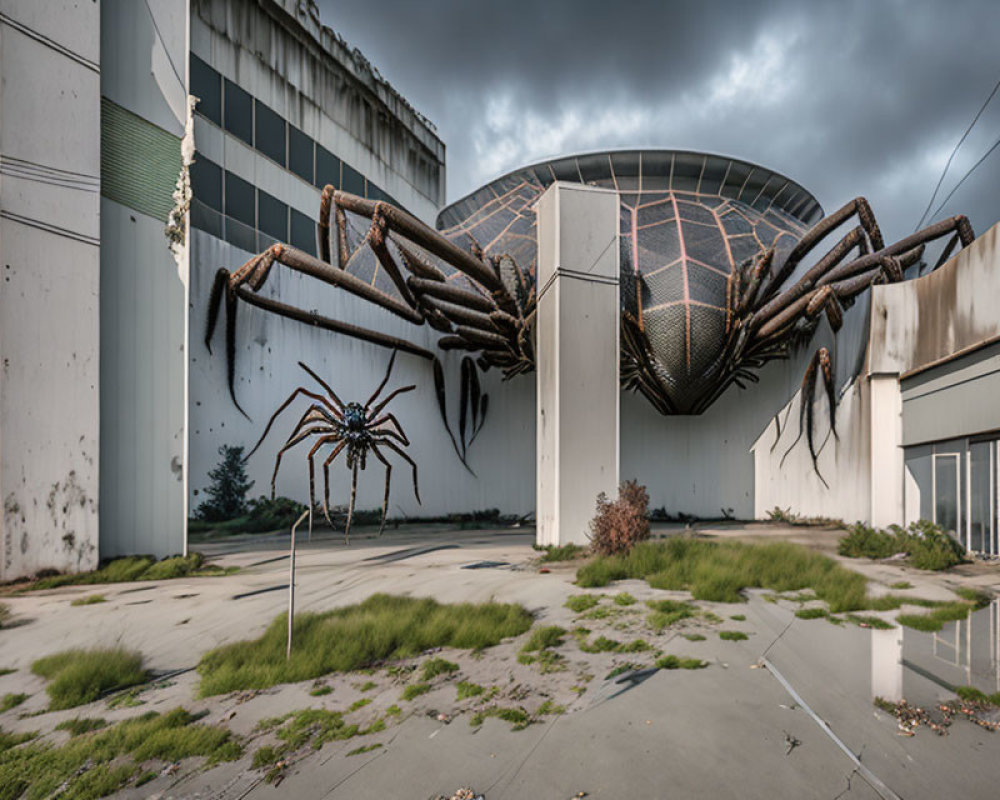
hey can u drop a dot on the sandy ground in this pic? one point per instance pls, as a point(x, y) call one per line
point(785, 713)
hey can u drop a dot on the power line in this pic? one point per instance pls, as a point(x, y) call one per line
point(966, 175)
point(953, 152)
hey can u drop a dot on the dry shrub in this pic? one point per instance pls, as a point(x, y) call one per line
point(618, 526)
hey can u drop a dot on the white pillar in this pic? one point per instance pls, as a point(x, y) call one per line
point(577, 351)
point(886, 450)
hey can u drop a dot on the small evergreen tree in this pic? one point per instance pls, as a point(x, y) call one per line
point(228, 492)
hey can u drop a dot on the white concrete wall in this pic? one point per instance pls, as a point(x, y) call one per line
point(268, 349)
point(49, 251)
point(843, 462)
point(578, 355)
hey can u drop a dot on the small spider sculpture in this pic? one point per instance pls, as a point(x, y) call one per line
point(352, 426)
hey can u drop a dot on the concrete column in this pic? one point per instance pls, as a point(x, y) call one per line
point(50, 101)
point(886, 450)
point(577, 351)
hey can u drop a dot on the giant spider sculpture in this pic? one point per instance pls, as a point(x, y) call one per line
point(707, 263)
point(351, 426)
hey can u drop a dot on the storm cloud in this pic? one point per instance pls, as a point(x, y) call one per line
point(847, 98)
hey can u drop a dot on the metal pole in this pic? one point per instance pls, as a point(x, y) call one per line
point(291, 580)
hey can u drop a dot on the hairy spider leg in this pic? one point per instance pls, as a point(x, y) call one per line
point(385, 497)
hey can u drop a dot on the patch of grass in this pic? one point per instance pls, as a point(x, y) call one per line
point(624, 599)
point(437, 666)
point(668, 612)
point(739, 617)
point(89, 600)
point(815, 612)
point(676, 662)
point(382, 627)
point(145, 778)
point(934, 621)
point(578, 603)
point(973, 695)
point(601, 644)
point(868, 621)
point(518, 717)
point(310, 727)
point(621, 669)
point(364, 701)
point(467, 689)
point(7, 671)
point(5, 614)
point(357, 751)
point(103, 762)
point(544, 638)
point(129, 699)
point(367, 686)
point(635, 646)
point(732, 636)
point(10, 701)
point(414, 690)
point(81, 725)
point(77, 677)
point(136, 568)
point(694, 637)
point(567, 552)
point(901, 585)
point(977, 597)
point(320, 691)
point(600, 612)
point(393, 711)
point(925, 544)
point(548, 708)
point(720, 571)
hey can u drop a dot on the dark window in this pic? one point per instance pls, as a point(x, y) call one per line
point(206, 182)
point(374, 193)
point(206, 218)
point(206, 84)
point(272, 216)
point(239, 112)
point(270, 133)
point(303, 232)
point(300, 154)
point(240, 200)
point(327, 168)
point(354, 181)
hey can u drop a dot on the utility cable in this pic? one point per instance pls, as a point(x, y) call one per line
point(966, 175)
point(953, 152)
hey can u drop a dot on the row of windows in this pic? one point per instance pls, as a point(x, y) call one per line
point(248, 119)
point(233, 209)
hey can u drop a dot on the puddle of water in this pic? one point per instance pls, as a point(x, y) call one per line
point(926, 667)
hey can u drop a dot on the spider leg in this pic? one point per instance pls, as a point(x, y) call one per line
point(339, 404)
point(326, 479)
point(388, 473)
point(959, 225)
point(774, 306)
point(393, 446)
point(350, 508)
point(821, 361)
point(296, 437)
point(385, 380)
point(386, 432)
point(375, 411)
point(288, 402)
point(858, 206)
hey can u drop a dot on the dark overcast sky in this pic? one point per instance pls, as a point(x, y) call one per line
point(847, 98)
